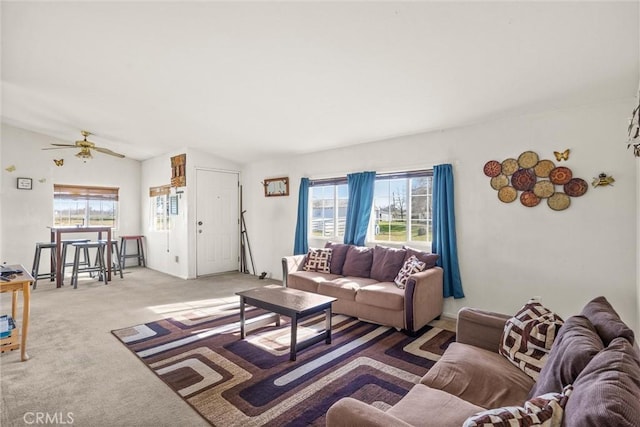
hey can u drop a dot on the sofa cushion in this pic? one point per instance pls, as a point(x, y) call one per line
point(606, 321)
point(338, 255)
point(410, 266)
point(546, 410)
point(607, 391)
point(428, 258)
point(344, 288)
point(318, 260)
point(479, 376)
point(576, 344)
point(382, 294)
point(528, 336)
point(308, 280)
point(386, 263)
point(423, 403)
point(358, 261)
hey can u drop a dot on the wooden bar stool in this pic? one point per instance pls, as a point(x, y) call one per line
point(65, 244)
point(139, 254)
point(99, 267)
point(36, 263)
point(115, 257)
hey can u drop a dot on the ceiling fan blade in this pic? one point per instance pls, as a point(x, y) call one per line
point(62, 147)
point(107, 151)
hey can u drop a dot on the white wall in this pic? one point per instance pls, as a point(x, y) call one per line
point(26, 214)
point(508, 253)
point(163, 246)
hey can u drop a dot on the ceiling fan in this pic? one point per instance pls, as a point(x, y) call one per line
point(85, 148)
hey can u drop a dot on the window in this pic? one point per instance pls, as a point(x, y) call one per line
point(401, 209)
point(75, 205)
point(328, 199)
point(159, 208)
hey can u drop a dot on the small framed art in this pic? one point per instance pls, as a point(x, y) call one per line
point(24, 184)
point(276, 187)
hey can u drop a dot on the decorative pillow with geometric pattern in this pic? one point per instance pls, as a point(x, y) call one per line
point(318, 260)
point(411, 265)
point(545, 411)
point(528, 336)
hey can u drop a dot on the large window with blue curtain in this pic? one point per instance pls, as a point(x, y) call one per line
point(401, 211)
point(402, 207)
point(328, 208)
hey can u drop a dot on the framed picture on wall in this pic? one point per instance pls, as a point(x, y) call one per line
point(25, 183)
point(276, 187)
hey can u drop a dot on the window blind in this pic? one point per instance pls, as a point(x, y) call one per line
point(80, 192)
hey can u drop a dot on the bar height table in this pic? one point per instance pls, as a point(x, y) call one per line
point(56, 236)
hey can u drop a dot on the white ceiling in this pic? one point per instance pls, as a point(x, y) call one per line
point(249, 81)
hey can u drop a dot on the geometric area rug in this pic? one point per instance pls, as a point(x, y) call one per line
point(252, 382)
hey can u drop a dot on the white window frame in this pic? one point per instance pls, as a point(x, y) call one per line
point(336, 220)
point(409, 175)
point(84, 196)
point(159, 208)
point(372, 223)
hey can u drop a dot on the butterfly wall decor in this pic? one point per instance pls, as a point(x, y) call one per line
point(562, 155)
point(59, 162)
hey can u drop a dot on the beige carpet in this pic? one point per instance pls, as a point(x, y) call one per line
point(79, 371)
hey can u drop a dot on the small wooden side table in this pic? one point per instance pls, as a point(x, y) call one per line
point(21, 282)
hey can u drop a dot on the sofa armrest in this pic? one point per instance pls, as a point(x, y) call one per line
point(480, 328)
point(290, 264)
point(423, 298)
point(349, 412)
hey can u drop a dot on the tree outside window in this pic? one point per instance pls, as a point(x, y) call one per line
point(402, 209)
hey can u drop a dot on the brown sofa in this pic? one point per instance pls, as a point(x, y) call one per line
point(594, 351)
point(361, 279)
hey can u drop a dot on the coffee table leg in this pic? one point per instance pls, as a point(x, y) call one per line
point(241, 318)
point(327, 325)
point(294, 338)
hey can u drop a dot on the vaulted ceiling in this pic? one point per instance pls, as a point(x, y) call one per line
point(255, 80)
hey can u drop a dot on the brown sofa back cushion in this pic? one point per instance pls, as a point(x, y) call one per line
point(428, 258)
point(606, 321)
point(338, 256)
point(576, 344)
point(358, 261)
point(386, 263)
point(607, 392)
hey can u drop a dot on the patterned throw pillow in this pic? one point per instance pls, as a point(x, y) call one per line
point(411, 265)
point(545, 411)
point(528, 336)
point(318, 260)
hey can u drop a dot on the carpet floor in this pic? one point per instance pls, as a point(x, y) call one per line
point(251, 382)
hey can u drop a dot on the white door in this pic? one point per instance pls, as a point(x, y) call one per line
point(217, 229)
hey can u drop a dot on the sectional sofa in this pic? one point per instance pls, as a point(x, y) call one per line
point(590, 377)
point(363, 279)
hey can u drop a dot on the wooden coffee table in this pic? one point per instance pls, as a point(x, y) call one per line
point(292, 303)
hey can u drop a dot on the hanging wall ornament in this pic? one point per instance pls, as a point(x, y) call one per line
point(562, 155)
point(603, 180)
point(533, 179)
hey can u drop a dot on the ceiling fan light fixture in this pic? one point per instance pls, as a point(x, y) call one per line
point(84, 154)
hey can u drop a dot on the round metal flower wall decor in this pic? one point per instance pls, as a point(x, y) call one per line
point(533, 180)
